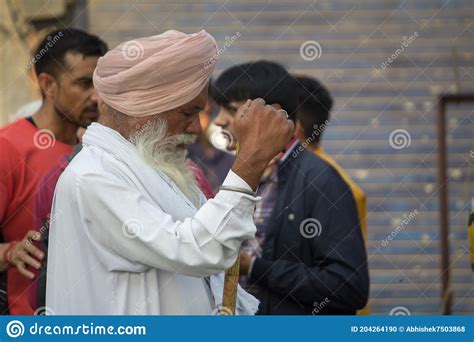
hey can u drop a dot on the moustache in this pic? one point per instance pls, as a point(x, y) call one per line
point(183, 139)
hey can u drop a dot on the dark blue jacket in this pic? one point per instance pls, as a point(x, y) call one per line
point(314, 259)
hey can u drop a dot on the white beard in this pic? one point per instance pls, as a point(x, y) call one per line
point(161, 152)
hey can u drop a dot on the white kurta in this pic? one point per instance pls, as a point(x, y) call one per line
point(125, 240)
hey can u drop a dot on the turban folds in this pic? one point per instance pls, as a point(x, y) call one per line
point(155, 74)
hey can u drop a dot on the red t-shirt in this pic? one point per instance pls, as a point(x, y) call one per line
point(25, 156)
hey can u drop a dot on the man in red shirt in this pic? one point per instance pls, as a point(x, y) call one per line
point(30, 147)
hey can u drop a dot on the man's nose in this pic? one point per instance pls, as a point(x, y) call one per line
point(94, 97)
point(195, 127)
point(221, 119)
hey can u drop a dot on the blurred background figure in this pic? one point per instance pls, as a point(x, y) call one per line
point(308, 247)
point(208, 152)
point(30, 147)
point(312, 119)
point(28, 109)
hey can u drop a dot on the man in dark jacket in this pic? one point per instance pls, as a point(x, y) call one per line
point(308, 256)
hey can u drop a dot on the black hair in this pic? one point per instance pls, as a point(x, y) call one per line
point(314, 107)
point(49, 55)
point(267, 80)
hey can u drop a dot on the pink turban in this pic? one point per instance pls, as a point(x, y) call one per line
point(151, 75)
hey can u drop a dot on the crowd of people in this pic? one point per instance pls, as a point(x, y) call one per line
point(130, 209)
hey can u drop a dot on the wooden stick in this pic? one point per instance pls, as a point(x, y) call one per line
point(229, 299)
point(231, 281)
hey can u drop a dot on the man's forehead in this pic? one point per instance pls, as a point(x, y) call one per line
point(235, 104)
point(193, 106)
point(78, 65)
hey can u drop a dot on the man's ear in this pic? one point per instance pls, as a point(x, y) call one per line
point(48, 85)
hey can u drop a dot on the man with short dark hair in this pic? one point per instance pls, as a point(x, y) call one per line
point(315, 104)
point(308, 256)
point(214, 162)
point(29, 147)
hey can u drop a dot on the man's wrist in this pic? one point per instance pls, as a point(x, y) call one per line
point(7, 249)
point(250, 170)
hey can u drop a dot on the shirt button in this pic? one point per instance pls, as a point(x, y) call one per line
point(291, 216)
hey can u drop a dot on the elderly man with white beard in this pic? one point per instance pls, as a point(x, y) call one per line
point(130, 231)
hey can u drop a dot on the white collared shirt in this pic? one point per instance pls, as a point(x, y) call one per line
point(125, 240)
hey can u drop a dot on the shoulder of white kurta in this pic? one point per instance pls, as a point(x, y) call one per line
point(95, 162)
